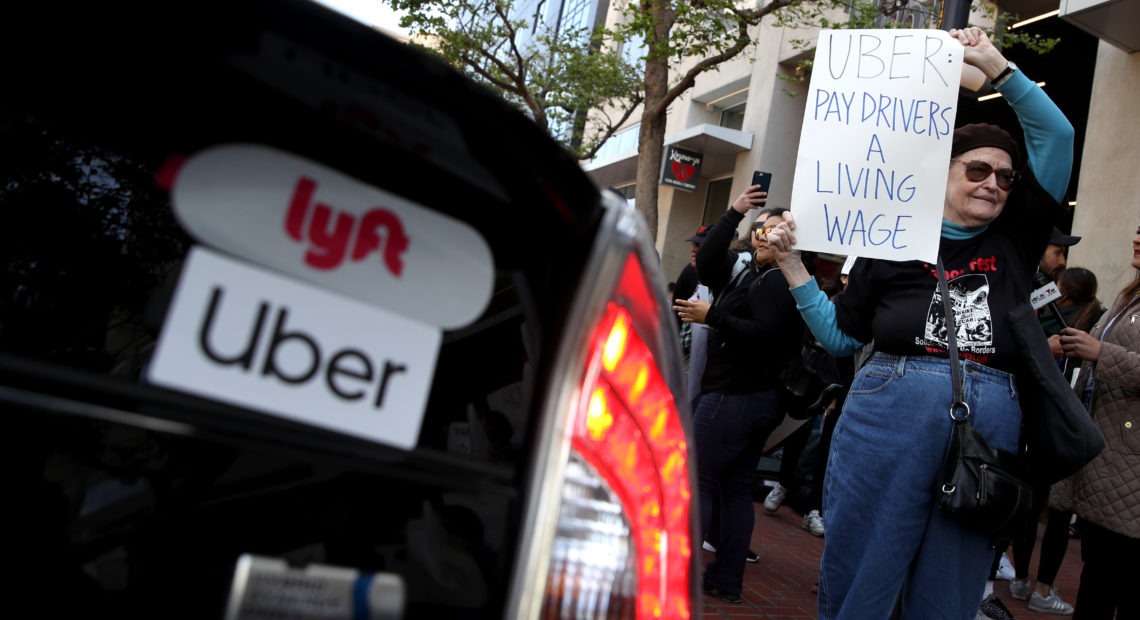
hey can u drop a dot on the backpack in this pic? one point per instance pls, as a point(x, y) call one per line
point(810, 380)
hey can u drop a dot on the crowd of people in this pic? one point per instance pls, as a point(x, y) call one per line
point(889, 550)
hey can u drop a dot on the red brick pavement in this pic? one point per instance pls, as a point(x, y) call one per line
point(779, 586)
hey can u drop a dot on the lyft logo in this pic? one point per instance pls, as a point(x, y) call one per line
point(256, 339)
point(329, 232)
point(309, 221)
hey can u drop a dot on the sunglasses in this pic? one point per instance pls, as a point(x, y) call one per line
point(761, 231)
point(978, 171)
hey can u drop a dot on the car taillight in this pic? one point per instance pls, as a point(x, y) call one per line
point(622, 548)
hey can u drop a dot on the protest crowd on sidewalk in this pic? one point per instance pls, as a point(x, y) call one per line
point(846, 380)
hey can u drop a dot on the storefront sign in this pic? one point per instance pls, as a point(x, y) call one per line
point(681, 168)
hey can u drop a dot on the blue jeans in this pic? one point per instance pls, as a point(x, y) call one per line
point(730, 433)
point(885, 533)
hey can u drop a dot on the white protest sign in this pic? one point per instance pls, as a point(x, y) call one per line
point(871, 170)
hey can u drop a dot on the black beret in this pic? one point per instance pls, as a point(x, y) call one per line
point(977, 135)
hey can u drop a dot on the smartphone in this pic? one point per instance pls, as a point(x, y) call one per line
point(763, 179)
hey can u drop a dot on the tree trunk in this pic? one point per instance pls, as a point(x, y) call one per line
point(651, 136)
point(650, 150)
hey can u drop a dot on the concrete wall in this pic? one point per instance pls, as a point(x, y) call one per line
point(774, 114)
point(774, 117)
point(1108, 195)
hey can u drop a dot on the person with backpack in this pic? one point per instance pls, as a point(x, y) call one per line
point(812, 382)
point(754, 329)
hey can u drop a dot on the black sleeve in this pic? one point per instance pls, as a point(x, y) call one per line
point(715, 257)
point(686, 283)
point(855, 305)
point(1029, 216)
point(773, 321)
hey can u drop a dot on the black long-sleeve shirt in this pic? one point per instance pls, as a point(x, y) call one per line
point(755, 325)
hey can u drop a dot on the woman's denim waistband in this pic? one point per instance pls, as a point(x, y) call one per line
point(974, 371)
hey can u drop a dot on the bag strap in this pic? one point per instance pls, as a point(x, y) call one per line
point(760, 278)
point(959, 402)
point(733, 282)
point(954, 447)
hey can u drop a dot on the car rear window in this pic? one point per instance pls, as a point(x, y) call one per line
point(141, 482)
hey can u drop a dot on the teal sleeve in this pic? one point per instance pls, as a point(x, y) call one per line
point(1049, 136)
point(819, 314)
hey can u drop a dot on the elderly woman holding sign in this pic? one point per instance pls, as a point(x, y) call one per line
point(887, 541)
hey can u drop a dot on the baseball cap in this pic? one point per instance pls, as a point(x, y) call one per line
point(1059, 238)
point(700, 235)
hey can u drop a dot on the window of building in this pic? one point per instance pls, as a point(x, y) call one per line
point(622, 142)
point(575, 14)
point(537, 16)
point(733, 117)
point(717, 199)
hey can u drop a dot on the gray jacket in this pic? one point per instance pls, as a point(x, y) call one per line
point(1107, 490)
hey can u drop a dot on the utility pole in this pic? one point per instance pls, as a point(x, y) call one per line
point(955, 14)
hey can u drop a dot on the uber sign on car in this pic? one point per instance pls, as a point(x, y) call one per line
point(345, 330)
point(253, 338)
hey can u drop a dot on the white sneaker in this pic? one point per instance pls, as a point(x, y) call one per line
point(1005, 569)
point(813, 522)
point(775, 498)
point(1020, 589)
point(708, 546)
point(1051, 604)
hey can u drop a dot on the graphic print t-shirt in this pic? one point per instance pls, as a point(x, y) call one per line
point(897, 304)
point(911, 319)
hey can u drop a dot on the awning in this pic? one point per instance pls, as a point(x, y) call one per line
point(720, 146)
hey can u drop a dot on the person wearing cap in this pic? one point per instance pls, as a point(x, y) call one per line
point(698, 295)
point(687, 280)
point(887, 540)
point(1080, 309)
point(1053, 261)
point(686, 286)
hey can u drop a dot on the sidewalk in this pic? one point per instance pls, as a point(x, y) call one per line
point(779, 586)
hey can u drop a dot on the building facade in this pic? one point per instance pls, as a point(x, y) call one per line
point(747, 116)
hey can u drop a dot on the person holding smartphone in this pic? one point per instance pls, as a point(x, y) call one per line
point(740, 394)
point(1104, 496)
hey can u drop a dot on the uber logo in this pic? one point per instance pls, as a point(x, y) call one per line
point(347, 362)
point(254, 338)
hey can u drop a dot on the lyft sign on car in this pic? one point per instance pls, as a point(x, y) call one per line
point(316, 223)
point(250, 337)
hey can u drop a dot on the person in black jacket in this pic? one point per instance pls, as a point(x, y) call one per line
point(755, 327)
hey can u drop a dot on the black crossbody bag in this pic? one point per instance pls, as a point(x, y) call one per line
point(1058, 434)
point(983, 487)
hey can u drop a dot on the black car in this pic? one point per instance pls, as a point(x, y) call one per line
point(298, 322)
